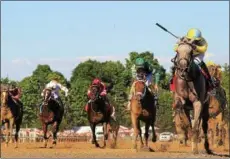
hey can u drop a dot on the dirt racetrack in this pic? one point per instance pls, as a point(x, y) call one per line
point(123, 150)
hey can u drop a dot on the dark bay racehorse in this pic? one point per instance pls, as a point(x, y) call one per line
point(98, 113)
point(52, 114)
point(142, 109)
point(191, 92)
point(9, 108)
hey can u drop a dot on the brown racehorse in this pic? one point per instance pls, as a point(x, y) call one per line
point(8, 106)
point(99, 113)
point(52, 114)
point(216, 109)
point(191, 92)
point(142, 108)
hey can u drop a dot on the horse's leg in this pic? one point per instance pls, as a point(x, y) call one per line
point(147, 125)
point(221, 126)
point(140, 133)
point(55, 129)
point(93, 127)
point(7, 132)
point(205, 118)
point(105, 133)
point(136, 130)
point(44, 127)
point(154, 136)
point(11, 126)
point(195, 128)
point(16, 133)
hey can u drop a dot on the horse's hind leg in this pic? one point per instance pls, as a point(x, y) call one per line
point(147, 125)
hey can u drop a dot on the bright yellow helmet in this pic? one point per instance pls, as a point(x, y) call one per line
point(210, 63)
point(194, 34)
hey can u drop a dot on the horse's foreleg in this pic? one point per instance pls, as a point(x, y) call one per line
point(154, 136)
point(147, 125)
point(140, 133)
point(16, 134)
point(205, 130)
point(44, 127)
point(105, 131)
point(11, 126)
point(94, 141)
point(136, 130)
point(7, 133)
point(195, 127)
point(55, 130)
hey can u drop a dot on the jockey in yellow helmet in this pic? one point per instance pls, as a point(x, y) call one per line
point(201, 46)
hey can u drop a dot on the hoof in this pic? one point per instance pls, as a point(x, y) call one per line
point(135, 147)
point(97, 145)
point(195, 152)
point(220, 143)
point(113, 145)
point(145, 149)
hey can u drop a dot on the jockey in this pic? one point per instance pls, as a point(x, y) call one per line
point(201, 46)
point(102, 93)
point(15, 93)
point(56, 87)
point(143, 70)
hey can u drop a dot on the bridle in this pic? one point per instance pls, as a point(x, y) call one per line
point(47, 97)
point(138, 93)
point(182, 71)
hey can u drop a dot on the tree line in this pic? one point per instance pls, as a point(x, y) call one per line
point(110, 72)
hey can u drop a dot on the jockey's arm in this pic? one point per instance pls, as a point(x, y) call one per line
point(103, 90)
point(202, 46)
point(63, 89)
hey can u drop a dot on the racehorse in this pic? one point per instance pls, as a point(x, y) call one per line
point(8, 109)
point(191, 92)
point(142, 108)
point(98, 112)
point(217, 103)
point(52, 114)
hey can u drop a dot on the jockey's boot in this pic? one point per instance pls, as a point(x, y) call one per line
point(205, 72)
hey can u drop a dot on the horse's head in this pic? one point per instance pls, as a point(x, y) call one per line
point(140, 89)
point(94, 92)
point(184, 57)
point(4, 97)
point(47, 95)
point(215, 71)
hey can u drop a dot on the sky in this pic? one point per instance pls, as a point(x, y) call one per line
point(63, 34)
